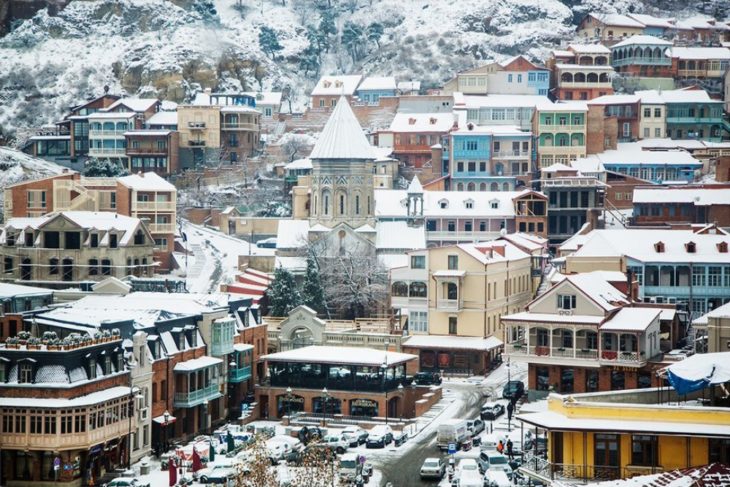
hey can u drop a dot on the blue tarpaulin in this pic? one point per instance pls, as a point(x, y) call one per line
point(699, 371)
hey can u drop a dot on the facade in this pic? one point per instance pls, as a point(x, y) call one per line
point(152, 151)
point(412, 135)
point(691, 114)
point(509, 110)
point(513, 76)
point(573, 200)
point(80, 411)
point(77, 123)
point(581, 81)
point(372, 88)
point(74, 246)
point(328, 381)
point(701, 62)
point(687, 267)
point(581, 335)
point(329, 89)
point(18, 301)
point(50, 143)
point(560, 132)
point(625, 109)
point(608, 28)
point(643, 55)
point(692, 204)
point(621, 434)
point(490, 158)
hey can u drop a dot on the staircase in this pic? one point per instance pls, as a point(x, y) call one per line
point(545, 280)
point(615, 213)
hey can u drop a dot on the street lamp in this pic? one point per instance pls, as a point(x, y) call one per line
point(326, 396)
point(288, 402)
point(384, 367)
point(166, 416)
point(400, 394)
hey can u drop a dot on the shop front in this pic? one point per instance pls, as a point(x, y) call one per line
point(452, 354)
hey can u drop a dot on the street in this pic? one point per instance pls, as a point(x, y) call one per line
point(403, 470)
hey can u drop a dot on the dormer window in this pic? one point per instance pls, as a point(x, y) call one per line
point(411, 121)
point(113, 244)
point(139, 238)
point(92, 368)
point(659, 247)
point(494, 204)
point(469, 204)
point(181, 341)
point(443, 204)
point(10, 239)
point(94, 240)
point(25, 373)
point(432, 121)
point(327, 84)
point(338, 84)
point(691, 247)
point(722, 247)
point(107, 365)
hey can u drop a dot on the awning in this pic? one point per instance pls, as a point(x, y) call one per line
point(161, 419)
point(699, 371)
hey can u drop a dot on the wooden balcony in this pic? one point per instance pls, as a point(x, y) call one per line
point(66, 441)
point(161, 227)
point(153, 206)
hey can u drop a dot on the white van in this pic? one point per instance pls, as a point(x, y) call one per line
point(496, 478)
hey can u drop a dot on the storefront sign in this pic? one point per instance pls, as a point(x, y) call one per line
point(363, 403)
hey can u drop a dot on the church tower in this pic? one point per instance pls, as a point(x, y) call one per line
point(415, 202)
point(342, 179)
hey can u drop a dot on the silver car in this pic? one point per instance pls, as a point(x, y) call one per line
point(433, 468)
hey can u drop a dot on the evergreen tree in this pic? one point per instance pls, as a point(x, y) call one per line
point(309, 61)
point(375, 32)
point(312, 291)
point(352, 37)
point(103, 168)
point(283, 294)
point(327, 24)
point(269, 41)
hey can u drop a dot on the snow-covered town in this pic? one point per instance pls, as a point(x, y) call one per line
point(334, 243)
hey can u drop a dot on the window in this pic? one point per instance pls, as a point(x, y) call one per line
point(698, 276)
point(482, 166)
point(451, 226)
point(460, 167)
point(452, 325)
point(92, 369)
point(543, 378)
point(418, 321)
point(418, 262)
point(720, 450)
point(647, 112)
point(644, 450)
point(36, 424)
point(53, 266)
point(647, 132)
point(657, 132)
point(468, 226)
point(714, 276)
point(469, 204)
point(657, 113)
point(453, 262)
point(113, 244)
point(25, 374)
point(497, 147)
point(50, 425)
point(566, 301)
point(519, 78)
point(471, 145)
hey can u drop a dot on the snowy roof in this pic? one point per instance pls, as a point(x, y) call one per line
point(453, 342)
point(422, 122)
point(697, 196)
point(598, 289)
point(525, 240)
point(526, 316)
point(81, 401)
point(391, 261)
point(163, 118)
point(337, 85)
point(415, 185)
point(8, 290)
point(554, 421)
point(638, 244)
point(112, 115)
point(493, 251)
point(643, 39)
point(399, 235)
point(701, 52)
point(678, 96)
point(587, 165)
point(305, 163)
point(617, 19)
point(632, 319)
point(377, 83)
point(563, 106)
point(238, 109)
point(508, 101)
point(97, 220)
point(581, 66)
point(589, 48)
point(392, 203)
point(151, 133)
point(562, 53)
point(134, 104)
point(342, 136)
point(383, 154)
point(146, 181)
point(265, 97)
point(711, 368)
point(557, 167)
point(689, 144)
point(292, 234)
point(292, 264)
point(409, 85)
point(196, 364)
point(365, 229)
point(713, 475)
point(496, 130)
point(632, 154)
point(614, 100)
point(651, 21)
point(340, 355)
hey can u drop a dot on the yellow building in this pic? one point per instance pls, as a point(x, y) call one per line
point(620, 434)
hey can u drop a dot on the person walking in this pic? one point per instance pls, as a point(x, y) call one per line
point(500, 446)
point(510, 452)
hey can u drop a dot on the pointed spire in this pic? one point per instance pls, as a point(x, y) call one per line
point(342, 136)
point(415, 186)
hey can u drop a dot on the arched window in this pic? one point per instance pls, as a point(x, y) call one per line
point(418, 290)
point(341, 203)
point(325, 202)
point(106, 267)
point(482, 186)
point(399, 288)
point(603, 78)
point(566, 78)
point(68, 269)
point(494, 187)
point(93, 267)
point(505, 186)
point(470, 187)
point(460, 187)
point(592, 78)
point(579, 78)
point(451, 291)
point(53, 266)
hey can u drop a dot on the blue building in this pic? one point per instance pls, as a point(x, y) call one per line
point(492, 158)
point(663, 166)
point(373, 88)
point(643, 55)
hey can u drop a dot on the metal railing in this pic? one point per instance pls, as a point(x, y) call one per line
point(153, 206)
point(193, 398)
point(538, 466)
point(240, 374)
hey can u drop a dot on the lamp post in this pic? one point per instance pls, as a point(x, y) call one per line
point(384, 367)
point(325, 398)
point(166, 416)
point(400, 394)
point(288, 402)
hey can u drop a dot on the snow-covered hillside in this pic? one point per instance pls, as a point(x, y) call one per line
point(171, 48)
point(16, 166)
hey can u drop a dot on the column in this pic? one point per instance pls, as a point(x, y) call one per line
point(575, 340)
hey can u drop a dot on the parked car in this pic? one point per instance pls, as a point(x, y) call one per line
point(513, 389)
point(466, 472)
point(338, 443)
point(355, 435)
point(380, 436)
point(475, 426)
point(126, 482)
point(493, 460)
point(433, 468)
point(491, 411)
point(427, 379)
point(496, 478)
point(451, 431)
point(218, 474)
point(399, 438)
point(267, 243)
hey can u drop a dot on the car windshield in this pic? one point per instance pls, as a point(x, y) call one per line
point(469, 466)
point(431, 463)
point(348, 463)
point(500, 460)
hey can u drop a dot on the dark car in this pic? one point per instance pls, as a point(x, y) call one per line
point(427, 379)
point(399, 438)
point(513, 389)
point(491, 411)
point(380, 436)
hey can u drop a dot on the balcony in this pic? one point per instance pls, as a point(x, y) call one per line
point(239, 126)
point(449, 305)
point(585, 84)
point(152, 150)
point(461, 236)
point(196, 143)
point(571, 181)
point(618, 357)
point(153, 206)
point(195, 398)
point(196, 125)
point(562, 149)
point(239, 374)
point(511, 154)
point(692, 120)
point(684, 291)
point(161, 227)
point(537, 467)
point(105, 134)
point(406, 302)
point(107, 151)
point(66, 441)
point(556, 128)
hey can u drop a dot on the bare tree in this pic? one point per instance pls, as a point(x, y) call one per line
point(294, 145)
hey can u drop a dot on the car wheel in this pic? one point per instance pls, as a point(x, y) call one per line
point(203, 479)
point(340, 450)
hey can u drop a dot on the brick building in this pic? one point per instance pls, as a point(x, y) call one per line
point(692, 204)
point(17, 301)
